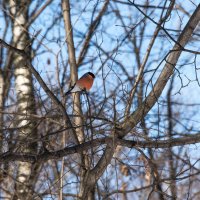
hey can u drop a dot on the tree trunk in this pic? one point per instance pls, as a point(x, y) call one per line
point(172, 169)
point(85, 163)
point(25, 97)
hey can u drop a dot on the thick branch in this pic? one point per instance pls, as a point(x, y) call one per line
point(9, 156)
point(69, 40)
point(167, 71)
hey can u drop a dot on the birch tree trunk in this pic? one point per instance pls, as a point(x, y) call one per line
point(25, 97)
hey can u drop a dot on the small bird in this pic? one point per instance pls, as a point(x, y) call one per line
point(83, 84)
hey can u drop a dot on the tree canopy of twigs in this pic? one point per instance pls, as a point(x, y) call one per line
point(134, 135)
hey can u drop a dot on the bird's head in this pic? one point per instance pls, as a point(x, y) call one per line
point(91, 74)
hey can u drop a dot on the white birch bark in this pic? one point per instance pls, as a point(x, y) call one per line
point(25, 97)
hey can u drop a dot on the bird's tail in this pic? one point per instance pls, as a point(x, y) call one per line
point(70, 89)
point(68, 92)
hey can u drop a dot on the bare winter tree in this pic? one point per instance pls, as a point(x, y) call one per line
point(134, 135)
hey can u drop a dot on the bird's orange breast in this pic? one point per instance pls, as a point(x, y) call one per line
point(85, 83)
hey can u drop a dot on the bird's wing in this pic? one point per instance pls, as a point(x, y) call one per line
point(73, 89)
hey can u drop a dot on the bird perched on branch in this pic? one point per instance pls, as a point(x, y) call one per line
point(83, 84)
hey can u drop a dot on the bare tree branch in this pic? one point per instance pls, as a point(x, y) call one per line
point(92, 28)
point(167, 71)
point(40, 80)
point(155, 144)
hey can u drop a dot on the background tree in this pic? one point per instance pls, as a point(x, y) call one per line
point(132, 135)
